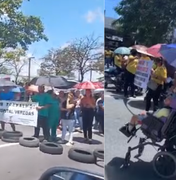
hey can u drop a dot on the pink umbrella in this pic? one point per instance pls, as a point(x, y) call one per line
point(140, 47)
point(154, 50)
point(89, 85)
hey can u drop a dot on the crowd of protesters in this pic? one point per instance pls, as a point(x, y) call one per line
point(67, 109)
point(128, 65)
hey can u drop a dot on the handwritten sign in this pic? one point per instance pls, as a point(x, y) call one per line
point(143, 73)
point(23, 113)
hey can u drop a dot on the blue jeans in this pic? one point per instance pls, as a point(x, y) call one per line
point(78, 119)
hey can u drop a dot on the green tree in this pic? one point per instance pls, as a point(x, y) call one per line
point(5, 70)
point(17, 28)
point(15, 61)
point(147, 21)
point(57, 62)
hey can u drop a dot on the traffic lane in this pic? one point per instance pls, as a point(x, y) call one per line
point(116, 115)
point(19, 163)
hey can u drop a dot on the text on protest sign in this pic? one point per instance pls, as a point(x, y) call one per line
point(143, 73)
point(22, 113)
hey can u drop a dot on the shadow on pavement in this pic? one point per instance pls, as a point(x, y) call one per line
point(99, 134)
point(138, 104)
point(137, 171)
point(82, 140)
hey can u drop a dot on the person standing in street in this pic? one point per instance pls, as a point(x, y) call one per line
point(88, 111)
point(44, 101)
point(67, 117)
point(77, 112)
point(7, 95)
point(54, 115)
point(100, 112)
point(130, 73)
point(158, 78)
point(108, 57)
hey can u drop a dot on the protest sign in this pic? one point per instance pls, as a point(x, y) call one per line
point(143, 73)
point(22, 113)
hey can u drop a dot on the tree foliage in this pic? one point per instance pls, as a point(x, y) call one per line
point(85, 50)
point(15, 61)
point(147, 21)
point(5, 70)
point(81, 55)
point(17, 28)
point(57, 62)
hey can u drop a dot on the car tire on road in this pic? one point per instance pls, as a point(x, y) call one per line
point(9, 134)
point(10, 139)
point(29, 142)
point(1, 132)
point(99, 153)
point(81, 155)
point(51, 148)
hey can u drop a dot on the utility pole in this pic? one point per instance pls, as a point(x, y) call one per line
point(29, 69)
point(91, 74)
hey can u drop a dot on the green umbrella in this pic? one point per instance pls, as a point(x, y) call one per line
point(122, 51)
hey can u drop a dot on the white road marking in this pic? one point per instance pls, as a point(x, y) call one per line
point(108, 96)
point(14, 144)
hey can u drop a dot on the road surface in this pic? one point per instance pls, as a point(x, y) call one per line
point(118, 111)
point(21, 163)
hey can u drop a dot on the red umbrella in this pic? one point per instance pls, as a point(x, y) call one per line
point(89, 85)
point(154, 50)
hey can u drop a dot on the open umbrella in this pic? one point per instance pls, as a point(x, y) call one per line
point(18, 89)
point(7, 83)
point(54, 81)
point(155, 50)
point(139, 47)
point(168, 51)
point(122, 51)
point(89, 85)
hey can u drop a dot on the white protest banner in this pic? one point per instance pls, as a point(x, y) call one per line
point(143, 73)
point(22, 113)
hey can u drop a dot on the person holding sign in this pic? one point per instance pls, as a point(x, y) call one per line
point(130, 73)
point(7, 95)
point(44, 101)
point(54, 115)
point(158, 77)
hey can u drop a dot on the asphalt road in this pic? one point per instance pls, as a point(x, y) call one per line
point(118, 111)
point(21, 163)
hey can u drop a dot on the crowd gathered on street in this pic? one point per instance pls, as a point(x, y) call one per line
point(160, 86)
point(151, 74)
point(70, 110)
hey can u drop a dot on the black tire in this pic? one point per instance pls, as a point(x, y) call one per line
point(9, 134)
point(1, 132)
point(51, 148)
point(160, 160)
point(29, 142)
point(10, 139)
point(81, 155)
point(99, 153)
point(106, 85)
